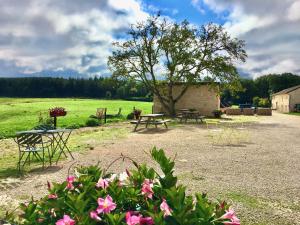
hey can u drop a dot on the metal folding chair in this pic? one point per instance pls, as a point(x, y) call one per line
point(101, 114)
point(32, 144)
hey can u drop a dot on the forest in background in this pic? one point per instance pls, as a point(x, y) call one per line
point(109, 88)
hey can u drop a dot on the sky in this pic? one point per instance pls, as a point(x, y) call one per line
point(72, 38)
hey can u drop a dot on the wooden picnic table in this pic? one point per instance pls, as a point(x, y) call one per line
point(150, 119)
point(186, 114)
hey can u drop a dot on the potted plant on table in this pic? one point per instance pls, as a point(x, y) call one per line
point(56, 112)
point(137, 113)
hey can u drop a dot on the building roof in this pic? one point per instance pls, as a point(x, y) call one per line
point(288, 90)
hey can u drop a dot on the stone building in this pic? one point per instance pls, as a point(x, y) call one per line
point(199, 96)
point(285, 100)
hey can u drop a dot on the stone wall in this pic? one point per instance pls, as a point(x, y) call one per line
point(294, 99)
point(281, 103)
point(200, 97)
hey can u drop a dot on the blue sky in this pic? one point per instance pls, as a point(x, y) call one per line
point(198, 13)
point(73, 37)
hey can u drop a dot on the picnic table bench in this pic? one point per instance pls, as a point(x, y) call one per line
point(186, 114)
point(150, 119)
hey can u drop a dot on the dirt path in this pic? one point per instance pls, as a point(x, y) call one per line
point(255, 166)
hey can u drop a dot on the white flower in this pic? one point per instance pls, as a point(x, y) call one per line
point(112, 178)
point(123, 178)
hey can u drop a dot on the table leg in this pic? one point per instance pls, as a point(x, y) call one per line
point(148, 122)
point(137, 124)
point(63, 145)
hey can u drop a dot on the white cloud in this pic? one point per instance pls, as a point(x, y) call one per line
point(294, 11)
point(72, 35)
point(271, 29)
point(197, 5)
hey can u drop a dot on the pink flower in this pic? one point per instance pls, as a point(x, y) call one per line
point(70, 180)
point(146, 221)
point(105, 205)
point(132, 219)
point(103, 183)
point(165, 208)
point(66, 220)
point(48, 185)
point(52, 196)
point(40, 220)
point(232, 217)
point(94, 216)
point(147, 188)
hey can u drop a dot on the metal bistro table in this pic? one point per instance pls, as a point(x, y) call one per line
point(150, 119)
point(59, 139)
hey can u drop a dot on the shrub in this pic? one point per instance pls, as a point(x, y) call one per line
point(139, 196)
point(217, 113)
point(73, 126)
point(264, 102)
point(130, 116)
point(255, 101)
point(92, 122)
point(261, 102)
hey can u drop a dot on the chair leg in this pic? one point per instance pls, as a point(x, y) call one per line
point(50, 156)
point(20, 159)
point(166, 125)
point(43, 159)
point(28, 158)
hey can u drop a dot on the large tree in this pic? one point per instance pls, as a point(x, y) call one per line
point(161, 53)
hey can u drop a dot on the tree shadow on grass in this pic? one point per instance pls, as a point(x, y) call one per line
point(13, 172)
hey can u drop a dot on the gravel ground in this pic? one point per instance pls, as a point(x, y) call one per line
point(255, 166)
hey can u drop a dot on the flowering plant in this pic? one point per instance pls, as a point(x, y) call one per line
point(137, 197)
point(137, 113)
point(57, 111)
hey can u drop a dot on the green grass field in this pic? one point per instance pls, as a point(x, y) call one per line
point(294, 113)
point(18, 114)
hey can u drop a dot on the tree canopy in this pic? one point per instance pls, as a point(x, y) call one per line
point(159, 51)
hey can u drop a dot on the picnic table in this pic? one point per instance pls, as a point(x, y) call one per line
point(151, 119)
point(187, 114)
point(59, 139)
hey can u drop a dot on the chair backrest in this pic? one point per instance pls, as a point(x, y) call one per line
point(100, 113)
point(119, 112)
point(29, 139)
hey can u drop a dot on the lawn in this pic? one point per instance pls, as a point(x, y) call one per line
point(294, 113)
point(22, 113)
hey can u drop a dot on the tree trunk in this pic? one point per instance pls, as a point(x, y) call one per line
point(171, 101)
point(171, 108)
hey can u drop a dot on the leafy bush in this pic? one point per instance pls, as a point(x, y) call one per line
point(255, 101)
point(73, 126)
point(140, 196)
point(261, 102)
point(264, 102)
point(130, 116)
point(217, 113)
point(92, 122)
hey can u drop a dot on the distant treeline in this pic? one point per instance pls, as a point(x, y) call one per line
point(261, 87)
point(61, 87)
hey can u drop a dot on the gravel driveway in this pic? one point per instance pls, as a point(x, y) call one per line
point(255, 166)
